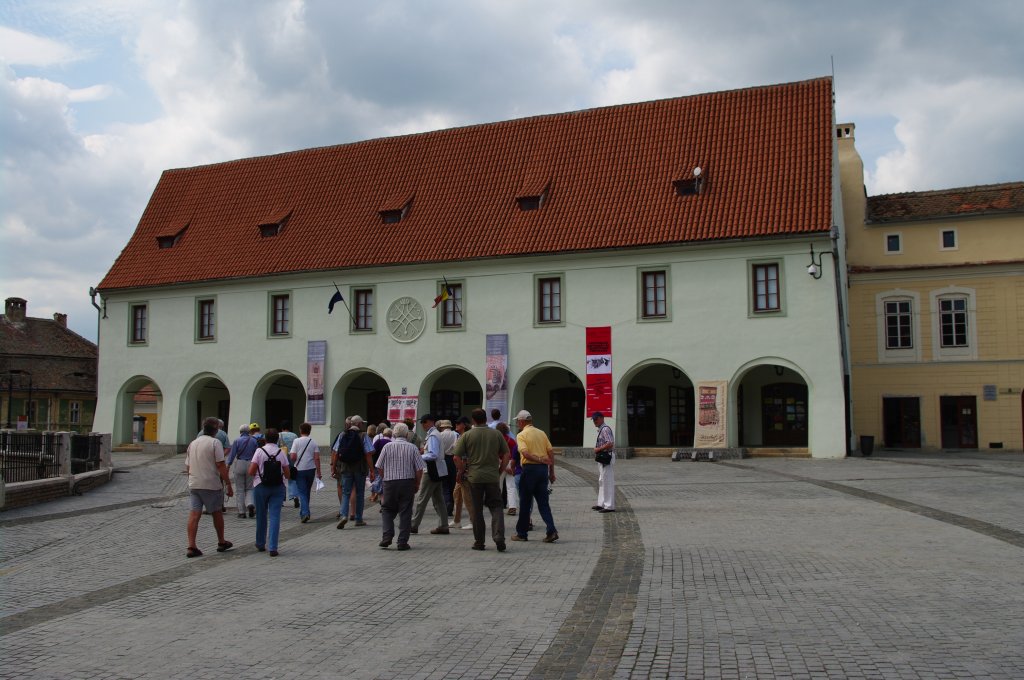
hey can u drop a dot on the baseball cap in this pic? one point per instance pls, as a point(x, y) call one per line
point(597, 414)
point(524, 415)
point(254, 426)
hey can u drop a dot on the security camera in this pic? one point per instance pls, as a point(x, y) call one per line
point(813, 270)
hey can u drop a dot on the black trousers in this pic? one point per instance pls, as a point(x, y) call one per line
point(488, 494)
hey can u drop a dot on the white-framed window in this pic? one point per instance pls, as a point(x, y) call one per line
point(280, 325)
point(549, 300)
point(765, 288)
point(654, 298)
point(948, 239)
point(894, 243)
point(138, 324)
point(206, 319)
point(452, 310)
point(363, 312)
point(954, 323)
point(898, 321)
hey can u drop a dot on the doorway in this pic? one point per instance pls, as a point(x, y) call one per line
point(642, 415)
point(901, 422)
point(566, 410)
point(959, 416)
point(784, 414)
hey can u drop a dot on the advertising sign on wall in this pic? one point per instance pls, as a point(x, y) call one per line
point(496, 394)
point(402, 407)
point(316, 357)
point(712, 431)
point(599, 370)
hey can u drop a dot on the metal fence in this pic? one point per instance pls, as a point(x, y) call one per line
point(28, 456)
point(85, 452)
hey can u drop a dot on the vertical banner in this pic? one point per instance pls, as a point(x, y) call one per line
point(712, 397)
point(496, 395)
point(402, 407)
point(316, 357)
point(599, 370)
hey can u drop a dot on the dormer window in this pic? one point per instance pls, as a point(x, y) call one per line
point(170, 241)
point(396, 207)
point(275, 225)
point(692, 184)
point(529, 202)
point(534, 191)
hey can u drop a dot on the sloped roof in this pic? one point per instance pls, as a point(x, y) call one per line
point(42, 337)
point(608, 173)
point(990, 199)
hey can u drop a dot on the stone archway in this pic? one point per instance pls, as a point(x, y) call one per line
point(278, 396)
point(204, 396)
point(359, 392)
point(557, 400)
point(657, 405)
point(137, 412)
point(450, 392)
point(772, 406)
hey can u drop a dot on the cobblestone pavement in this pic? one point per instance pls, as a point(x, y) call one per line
point(896, 566)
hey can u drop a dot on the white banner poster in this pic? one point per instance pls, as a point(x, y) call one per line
point(712, 430)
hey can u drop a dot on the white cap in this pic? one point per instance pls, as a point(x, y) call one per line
point(524, 415)
point(357, 420)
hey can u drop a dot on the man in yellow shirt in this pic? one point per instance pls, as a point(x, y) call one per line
point(538, 462)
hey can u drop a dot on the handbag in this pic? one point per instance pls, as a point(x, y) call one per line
point(603, 457)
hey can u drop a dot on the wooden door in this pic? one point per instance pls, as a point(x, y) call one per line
point(642, 415)
point(784, 414)
point(566, 416)
point(901, 422)
point(959, 417)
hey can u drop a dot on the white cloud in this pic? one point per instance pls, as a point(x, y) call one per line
point(25, 49)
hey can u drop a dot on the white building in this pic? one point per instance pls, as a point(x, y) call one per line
point(542, 227)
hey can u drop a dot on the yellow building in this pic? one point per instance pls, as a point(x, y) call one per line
point(936, 301)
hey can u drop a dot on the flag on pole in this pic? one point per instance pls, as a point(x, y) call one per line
point(446, 293)
point(335, 299)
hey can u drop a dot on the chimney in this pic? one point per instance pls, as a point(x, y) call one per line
point(14, 309)
point(61, 319)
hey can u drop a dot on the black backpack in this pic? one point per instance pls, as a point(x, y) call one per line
point(350, 447)
point(271, 473)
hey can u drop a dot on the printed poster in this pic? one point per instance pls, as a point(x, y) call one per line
point(599, 370)
point(496, 370)
point(316, 357)
point(402, 407)
point(712, 397)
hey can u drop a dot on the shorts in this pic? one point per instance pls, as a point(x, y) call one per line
point(211, 499)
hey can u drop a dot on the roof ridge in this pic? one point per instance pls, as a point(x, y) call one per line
point(506, 121)
point(935, 192)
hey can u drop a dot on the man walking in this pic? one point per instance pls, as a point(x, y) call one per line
point(351, 462)
point(481, 453)
point(605, 471)
point(431, 488)
point(207, 476)
point(402, 469)
point(538, 461)
point(238, 462)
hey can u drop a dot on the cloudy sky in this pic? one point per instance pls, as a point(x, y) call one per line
point(97, 97)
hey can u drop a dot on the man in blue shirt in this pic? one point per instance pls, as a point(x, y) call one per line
point(432, 485)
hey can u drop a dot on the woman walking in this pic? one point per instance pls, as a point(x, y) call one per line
point(269, 469)
point(305, 457)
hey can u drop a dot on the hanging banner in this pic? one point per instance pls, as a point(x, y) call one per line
point(402, 407)
point(316, 357)
point(712, 397)
point(496, 370)
point(599, 370)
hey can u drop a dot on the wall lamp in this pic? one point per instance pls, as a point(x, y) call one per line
point(814, 268)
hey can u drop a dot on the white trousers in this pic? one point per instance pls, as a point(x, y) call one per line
point(242, 482)
point(511, 492)
point(606, 484)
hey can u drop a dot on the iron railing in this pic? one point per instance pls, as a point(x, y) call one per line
point(28, 456)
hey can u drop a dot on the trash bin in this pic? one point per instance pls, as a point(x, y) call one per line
point(867, 445)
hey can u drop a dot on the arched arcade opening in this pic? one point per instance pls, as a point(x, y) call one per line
point(557, 400)
point(137, 412)
point(278, 396)
point(772, 408)
point(359, 392)
point(205, 396)
point(658, 406)
point(450, 392)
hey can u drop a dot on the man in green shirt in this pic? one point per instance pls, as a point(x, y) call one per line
point(481, 453)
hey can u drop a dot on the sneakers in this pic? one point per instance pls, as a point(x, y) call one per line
point(517, 537)
point(439, 530)
point(551, 538)
point(343, 522)
point(305, 518)
point(466, 525)
point(512, 511)
point(452, 523)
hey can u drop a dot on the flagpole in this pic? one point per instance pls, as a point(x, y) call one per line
point(347, 308)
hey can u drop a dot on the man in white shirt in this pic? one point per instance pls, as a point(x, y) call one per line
point(207, 477)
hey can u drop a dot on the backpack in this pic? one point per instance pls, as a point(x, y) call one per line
point(271, 473)
point(350, 447)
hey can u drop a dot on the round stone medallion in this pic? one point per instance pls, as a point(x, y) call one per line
point(406, 319)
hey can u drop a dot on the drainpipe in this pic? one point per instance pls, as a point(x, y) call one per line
point(844, 348)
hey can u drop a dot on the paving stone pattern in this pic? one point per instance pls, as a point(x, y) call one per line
point(897, 566)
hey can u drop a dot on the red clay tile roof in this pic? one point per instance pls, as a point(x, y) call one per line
point(965, 201)
point(766, 153)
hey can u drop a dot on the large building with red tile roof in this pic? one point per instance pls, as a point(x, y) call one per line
point(678, 228)
point(936, 304)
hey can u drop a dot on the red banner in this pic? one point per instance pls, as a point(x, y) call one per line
point(599, 370)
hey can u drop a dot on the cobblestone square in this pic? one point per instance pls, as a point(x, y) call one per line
point(896, 566)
